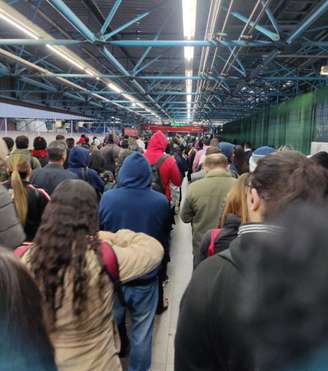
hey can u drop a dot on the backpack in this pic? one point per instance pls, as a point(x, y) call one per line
point(156, 183)
point(109, 260)
point(214, 235)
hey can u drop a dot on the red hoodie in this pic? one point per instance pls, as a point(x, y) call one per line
point(169, 170)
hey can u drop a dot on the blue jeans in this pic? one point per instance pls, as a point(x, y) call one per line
point(142, 303)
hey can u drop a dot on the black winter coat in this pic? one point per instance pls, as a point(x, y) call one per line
point(222, 242)
point(210, 336)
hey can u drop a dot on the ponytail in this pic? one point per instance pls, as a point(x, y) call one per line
point(20, 170)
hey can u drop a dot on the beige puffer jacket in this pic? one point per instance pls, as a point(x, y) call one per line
point(90, 343)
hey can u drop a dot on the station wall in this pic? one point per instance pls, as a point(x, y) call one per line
point(298, 122)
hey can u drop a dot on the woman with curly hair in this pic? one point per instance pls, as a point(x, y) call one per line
point(24, 342)
point(66, 260)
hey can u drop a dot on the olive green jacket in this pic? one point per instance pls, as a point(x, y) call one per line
point(35, 163)
point(204, 203)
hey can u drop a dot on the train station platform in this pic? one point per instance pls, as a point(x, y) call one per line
point(179, 272)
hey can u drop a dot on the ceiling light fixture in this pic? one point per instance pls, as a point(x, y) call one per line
point(324, 71)
point(189, 13)
point(58, 51)
point(18, 25)
point(66, 57)
point(115, 88)
point(189, 10)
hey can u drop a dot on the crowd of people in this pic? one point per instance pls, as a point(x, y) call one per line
point(85, 237)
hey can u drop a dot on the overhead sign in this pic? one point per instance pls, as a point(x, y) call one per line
point(131, 132)
point(171, 129)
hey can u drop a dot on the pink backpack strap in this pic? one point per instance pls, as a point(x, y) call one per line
point(214, 235)
point(21, 250)
point(110, 261)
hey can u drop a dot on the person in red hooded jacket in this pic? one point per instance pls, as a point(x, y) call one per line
point(169, 171)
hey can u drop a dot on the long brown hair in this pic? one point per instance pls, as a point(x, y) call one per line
point(20, 168)
point(69, 228)
point(236, 200)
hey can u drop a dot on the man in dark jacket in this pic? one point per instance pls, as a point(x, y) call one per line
point(226, 235)
point(54, 173)
point(79, 159)
point(209, 309)
point(110, 153)
point(134, 205)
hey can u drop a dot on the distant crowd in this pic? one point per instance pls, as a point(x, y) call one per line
point(85, 236)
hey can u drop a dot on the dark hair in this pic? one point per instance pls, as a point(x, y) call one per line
point(39, 143)
point(240, 160)
point(10, 143)
point(60, 137)
point(22, 142)
point(286, 177)
point(57, 150)
point(284, 292)
point(207, 141)
point(125, 144)
point(321, 158)
point(212, 150)
point(24, 343)
point(70, 142)
point(68, 230)
point(109, 139)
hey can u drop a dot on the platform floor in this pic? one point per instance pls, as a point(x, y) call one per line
point(180, 270)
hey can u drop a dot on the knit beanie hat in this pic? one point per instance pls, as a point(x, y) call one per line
point(257, 155)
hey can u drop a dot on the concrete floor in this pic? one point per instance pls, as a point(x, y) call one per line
point(179, 271)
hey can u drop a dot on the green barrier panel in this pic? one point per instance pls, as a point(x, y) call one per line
point(297, 122)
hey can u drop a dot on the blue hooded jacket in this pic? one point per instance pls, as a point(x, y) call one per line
point(133, 204)
point(78, 162)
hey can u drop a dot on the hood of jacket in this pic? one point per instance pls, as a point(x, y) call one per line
point(158, 142)
point(79, 157)
point(135, 172)
point(232, 221)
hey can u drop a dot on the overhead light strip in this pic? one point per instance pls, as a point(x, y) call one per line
point(58, 51)
point(189, 14)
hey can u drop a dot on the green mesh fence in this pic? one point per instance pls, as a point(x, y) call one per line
point(297, 122)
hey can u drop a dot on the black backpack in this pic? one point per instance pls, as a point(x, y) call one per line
point(156, 183)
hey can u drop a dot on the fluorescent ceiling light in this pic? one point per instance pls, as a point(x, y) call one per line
point(189, 98)
point(189, 9)
point(189, 86)
point(66, 57)
point(324, 71)
point(19, 26)
point(115, 88)
point(128, 97)
point(140, 105)
point(90, 73)
point(189, 53)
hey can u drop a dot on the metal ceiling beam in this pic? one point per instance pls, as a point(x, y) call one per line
point(179, 43)
point(126, 25)
point(73, 19)
point(110, 16)
point(322, 9)
point(271, 35)
point(39, 42)
point(296, 78)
